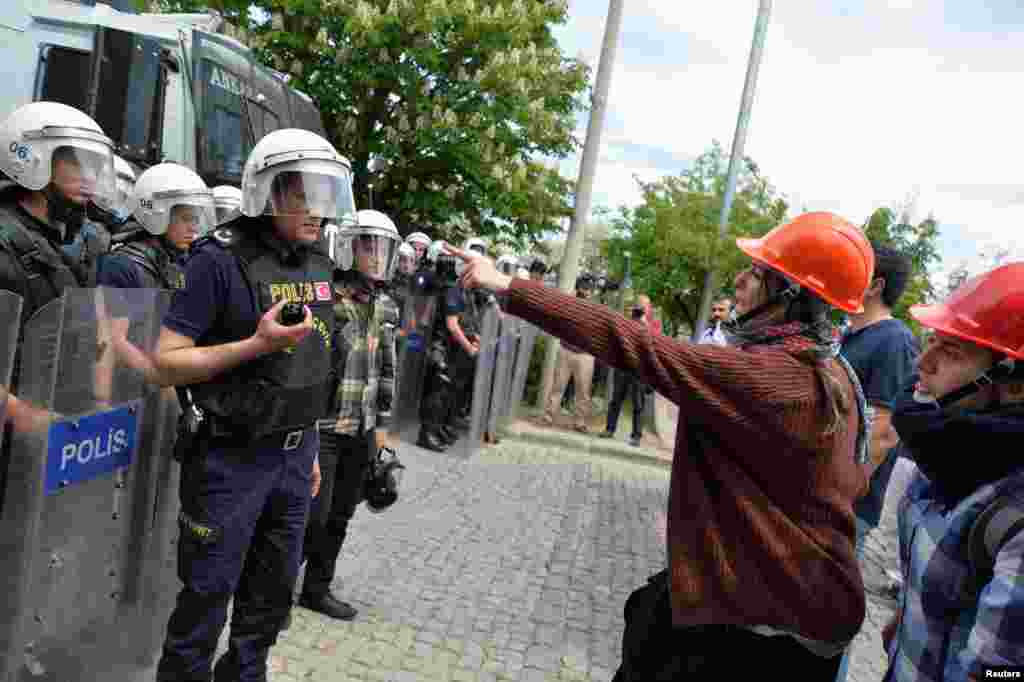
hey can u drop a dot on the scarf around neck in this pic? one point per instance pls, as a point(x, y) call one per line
point(939, 442)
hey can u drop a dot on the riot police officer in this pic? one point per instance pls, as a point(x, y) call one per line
point(463, 312)
point(355, 429)
point(420, 242)
point(172, 207)
point(259, 371)
point(113, 213)
point(403, 276)
point(437, 278)
point(59, 160)
point(227, 200)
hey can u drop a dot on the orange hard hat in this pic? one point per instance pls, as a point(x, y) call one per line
point(822, 252)
point(987, 310)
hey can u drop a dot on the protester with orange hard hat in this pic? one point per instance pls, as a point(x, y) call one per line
point(961, 520)
point(762, 575)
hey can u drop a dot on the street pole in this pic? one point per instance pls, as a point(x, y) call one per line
point(739, 140)
point(569, 267)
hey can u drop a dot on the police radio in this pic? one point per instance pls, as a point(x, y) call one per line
point(291, 314)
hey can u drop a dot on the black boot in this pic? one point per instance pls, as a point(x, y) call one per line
point(448, 434)
point(329, 605)
point(430, 440)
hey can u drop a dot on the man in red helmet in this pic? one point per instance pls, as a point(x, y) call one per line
point(762, 575)
point(961, 521)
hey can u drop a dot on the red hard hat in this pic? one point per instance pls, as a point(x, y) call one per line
point(821, 251)
point(987, 310)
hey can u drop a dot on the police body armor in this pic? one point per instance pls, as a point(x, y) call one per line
point(156, 260)
point(286, 390)
point(47, 269)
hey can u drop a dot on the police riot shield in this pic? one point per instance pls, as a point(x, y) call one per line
point(520, 371)
point(10, 322)
point(83, 491)
point(483, 380)
point(504, 365)
point(413, 343)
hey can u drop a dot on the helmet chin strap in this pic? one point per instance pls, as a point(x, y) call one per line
point(786, 296)
point(1000, 372)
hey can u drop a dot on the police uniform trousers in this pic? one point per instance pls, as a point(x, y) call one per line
point(244, 511)
point(328, 522)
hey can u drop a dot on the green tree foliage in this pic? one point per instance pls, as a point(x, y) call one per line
point(460, 98)
point(673, 235)
point(886, 227)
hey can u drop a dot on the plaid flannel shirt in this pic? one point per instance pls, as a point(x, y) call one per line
point(945, 634)
point(364, 361)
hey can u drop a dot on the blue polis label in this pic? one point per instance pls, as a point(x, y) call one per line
point(89, 447)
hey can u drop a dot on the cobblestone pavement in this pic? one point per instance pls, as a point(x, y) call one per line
point(514, 565)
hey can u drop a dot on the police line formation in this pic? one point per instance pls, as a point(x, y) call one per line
point(205, 384)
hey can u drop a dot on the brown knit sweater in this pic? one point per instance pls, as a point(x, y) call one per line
point(760, 524)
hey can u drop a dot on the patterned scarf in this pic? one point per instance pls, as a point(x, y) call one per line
point(813, 344)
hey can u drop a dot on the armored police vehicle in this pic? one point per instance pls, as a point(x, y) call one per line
point(164, 87)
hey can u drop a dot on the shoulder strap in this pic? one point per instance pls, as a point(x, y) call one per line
point(145, 257)
point(992, 529)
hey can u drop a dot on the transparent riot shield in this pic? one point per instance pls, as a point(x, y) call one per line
point(520, 371)
point(483, 375)
point(504, 365)
point(10, 322)
point(413, 344)
point(86, 489)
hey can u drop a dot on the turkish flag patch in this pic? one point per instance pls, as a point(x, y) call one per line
point(323, 291)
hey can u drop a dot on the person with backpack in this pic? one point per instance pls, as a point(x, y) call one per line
point(961, 520)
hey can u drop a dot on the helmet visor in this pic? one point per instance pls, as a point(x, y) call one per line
point(307, 188)
point(226, 211)
point(191, 216)
point(84, 171)
point(375, 253)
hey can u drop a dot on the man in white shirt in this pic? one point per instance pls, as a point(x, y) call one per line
point(719, 314)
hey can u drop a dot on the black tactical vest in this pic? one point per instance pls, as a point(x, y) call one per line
point(47, 270)
point(289, 389)
point(156, 261)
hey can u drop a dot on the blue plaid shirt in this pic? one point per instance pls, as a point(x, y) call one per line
point(946, 634)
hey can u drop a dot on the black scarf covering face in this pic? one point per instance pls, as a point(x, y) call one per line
point(939, 442)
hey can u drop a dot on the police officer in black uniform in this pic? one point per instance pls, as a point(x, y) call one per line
point(435, 276)
point(59, 160)
point(172, 206)
point(259, 371)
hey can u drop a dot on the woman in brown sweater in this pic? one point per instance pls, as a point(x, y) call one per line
point(762, 575)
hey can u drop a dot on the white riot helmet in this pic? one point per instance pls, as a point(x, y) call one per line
point(472, 245)
point(168, 193)
point(37, 134)
point(420, 243)
point(227, 202)
point(370, 246)
point(406, 259)
point(506, 265)
point(297, 172)
point(124, 185)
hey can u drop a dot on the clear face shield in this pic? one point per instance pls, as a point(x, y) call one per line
point(85, 173)
point(191, 218)
point(308, 188)
point(226, 213)
point(375, 253)
point(407, 264)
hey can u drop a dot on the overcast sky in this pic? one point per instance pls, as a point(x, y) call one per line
point(859, 102)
